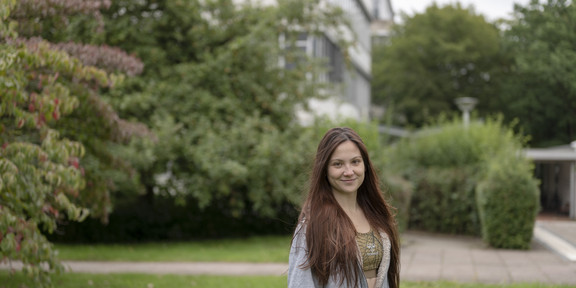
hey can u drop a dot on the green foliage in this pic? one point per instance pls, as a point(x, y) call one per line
point(217, 99)
point(41, 176)
point(92, 122)
point(39, 169)
point(447, 143)
point(433, 58)
point(541, 90)
point(525, 70)
point(445, 163)
point(508, 200)
point(137, 220)
point(400, 193)
point(444, 200)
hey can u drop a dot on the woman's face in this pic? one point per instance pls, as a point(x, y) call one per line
point(346, 168)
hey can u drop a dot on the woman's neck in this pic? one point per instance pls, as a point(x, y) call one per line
point(347, 202)
point(352, 209)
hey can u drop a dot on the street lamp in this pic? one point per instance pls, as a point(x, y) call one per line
point(466, 104)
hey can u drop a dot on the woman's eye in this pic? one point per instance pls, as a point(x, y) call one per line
point(337, 164)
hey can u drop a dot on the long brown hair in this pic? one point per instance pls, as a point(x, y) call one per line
point(330, 234)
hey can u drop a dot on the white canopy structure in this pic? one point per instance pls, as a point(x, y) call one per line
point(556, 169)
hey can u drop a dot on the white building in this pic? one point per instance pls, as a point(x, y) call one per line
point(383, 19)
point(351, 97)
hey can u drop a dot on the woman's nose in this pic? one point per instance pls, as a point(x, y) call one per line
point(348, 170)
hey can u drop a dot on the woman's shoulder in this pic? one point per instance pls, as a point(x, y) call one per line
point(301, 228)
point(299, 237)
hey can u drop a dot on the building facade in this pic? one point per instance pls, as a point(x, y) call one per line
point(349, 82)
point(383, 20)
point(350, 96)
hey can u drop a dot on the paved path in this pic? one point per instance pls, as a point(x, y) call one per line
point(425, 257)
point(564, 229)
point(429, 257)
point(194, 268)
point(558, 236)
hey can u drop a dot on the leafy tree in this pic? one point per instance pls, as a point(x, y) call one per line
point(94, 122)
point(541, 91)
point(434, 57)
point(42, 178)
point(215, 94)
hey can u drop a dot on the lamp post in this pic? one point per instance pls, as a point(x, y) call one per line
point(466, 104)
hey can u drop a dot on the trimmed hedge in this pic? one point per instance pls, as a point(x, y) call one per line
point(508, 202)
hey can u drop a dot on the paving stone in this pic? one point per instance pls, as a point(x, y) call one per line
point(492, 274)
point(486, 257)
point(527, 274)
point(458, 272)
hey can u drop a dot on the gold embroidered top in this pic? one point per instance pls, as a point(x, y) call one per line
point(371, 250)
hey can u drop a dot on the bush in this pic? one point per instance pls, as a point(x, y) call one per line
point(142, 220)
point(508, 201)
point(445, 202)
point(446, 162)
point(400, 195)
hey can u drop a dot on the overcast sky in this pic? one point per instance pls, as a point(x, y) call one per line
point(492, 9)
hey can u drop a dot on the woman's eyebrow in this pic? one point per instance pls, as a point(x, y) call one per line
point(353, 158)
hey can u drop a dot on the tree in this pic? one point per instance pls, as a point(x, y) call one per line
point(218, 100)
point(541, 91)
point(94, 122)
point(434, 57)
point(42, 177)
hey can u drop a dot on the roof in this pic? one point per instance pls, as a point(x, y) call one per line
point(557, 153)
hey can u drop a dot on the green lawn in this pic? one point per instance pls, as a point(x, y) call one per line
point(172, 281)
point(268, 249)
point(77, 280)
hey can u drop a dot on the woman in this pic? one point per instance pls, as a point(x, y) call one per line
point(346, 236)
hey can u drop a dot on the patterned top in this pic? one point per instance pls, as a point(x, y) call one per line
point(371, 250)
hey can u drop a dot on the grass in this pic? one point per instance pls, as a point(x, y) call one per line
point(181, 281)
point(78, 280)
point(442, 284)
point(269, 249)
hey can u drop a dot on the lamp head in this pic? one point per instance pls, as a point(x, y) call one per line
point(466, 103)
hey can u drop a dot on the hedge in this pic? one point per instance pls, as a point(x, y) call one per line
point(508, 202)
point(448, 165)
point(445, 202)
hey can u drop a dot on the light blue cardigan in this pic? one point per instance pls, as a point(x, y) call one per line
point(303, 278)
